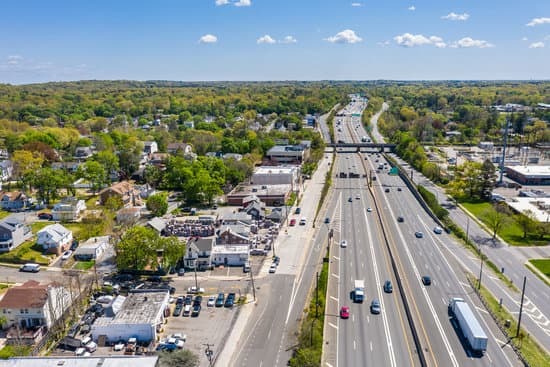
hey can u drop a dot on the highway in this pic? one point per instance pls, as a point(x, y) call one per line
point(386, 339)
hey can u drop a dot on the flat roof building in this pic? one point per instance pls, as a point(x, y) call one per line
point(529, 175)
point(66, 361)
point(277, 175)
point(272, 195)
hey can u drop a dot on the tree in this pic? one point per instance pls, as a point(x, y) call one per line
point(94, 173)
point(487, 179)
point(153, 175)
point(113, 203)
point(157, 204)
point(47, 181)
point(172, 251)
point(496, 217)
point(526, 220)
point(108, 160)
point(137, 248)
point(178, 358)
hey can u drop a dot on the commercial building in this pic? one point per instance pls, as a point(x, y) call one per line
point(529, 175)
point(141, 316)
point(288, 154)
point(277, 175)
point(230, 255)
point(271, 195)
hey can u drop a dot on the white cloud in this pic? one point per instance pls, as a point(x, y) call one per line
point(208, 38)
point(537, 45)
point(524, 39)
point(265, 39)
point(288, 39)
point(14, 59)
point(469, 42)
point(243, 3)
point(412, 40)
point(454, 16)
point(346, 36)
point(412, 8)
point(356, 4)
point(538, 21)
point(222, 2)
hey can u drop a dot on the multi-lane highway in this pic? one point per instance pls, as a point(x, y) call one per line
point(386, 339)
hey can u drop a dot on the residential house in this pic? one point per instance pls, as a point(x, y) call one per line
point(71, 167)
point(12, 234)
point(33, 305)
point(128, 215)
point(93, 248)
point(83, 153)
point(179, 148)
point(150, 147)
point(159, 159)
point(256, 210)
point(68, 209)
point(125, 190)
point(6, 170)
point(13, 200)
point(228, 236)
point(198, 253)
point(55, 238)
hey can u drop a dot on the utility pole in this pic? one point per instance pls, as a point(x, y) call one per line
point(521, 305)
point(503, 151)
point(468, 232)
point(252, 280)
point(317, 295)
point(480, 269)
point(196, 282)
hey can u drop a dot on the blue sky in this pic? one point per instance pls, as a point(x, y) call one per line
point(273, 40)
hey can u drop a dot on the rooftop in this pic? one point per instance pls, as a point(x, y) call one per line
point(30, 294)
point(262, 190)
point(264, 170)
point(232, 249)
point(532, 171)
point(115, 361)
point(138, 308)
point(536, 205)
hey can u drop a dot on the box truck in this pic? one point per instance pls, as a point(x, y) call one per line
point(359, 291)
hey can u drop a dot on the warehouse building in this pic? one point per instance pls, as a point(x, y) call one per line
point(529, 175)
point(277, 175)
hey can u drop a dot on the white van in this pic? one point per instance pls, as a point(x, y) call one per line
point(30, 268)
point(187, 310)
point(303, 221)
point(91, 347)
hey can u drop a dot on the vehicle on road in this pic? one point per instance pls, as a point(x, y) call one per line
point(388, 288)
point(418, 234)
point(298, 210)
point(220, 300)
point(30, 268)
point(66, 255)
point(400, 219)
point(303, 221)
point(273, 268)
point(350, 199)
point(327, 220)
point(343, 243)
point(246, 267)
point(387, 190)
point(426, 280)
point(45, 216)
point(369, 209)
point(344, 312)
point(181, 272)
point(438, 230)
point(211, 301)
point(375, 307)
point(230, 300)
point(468, 324)
point(292, 222)
point(276, 260)
point(399, 189)
point(359, 291)
point(357, 197)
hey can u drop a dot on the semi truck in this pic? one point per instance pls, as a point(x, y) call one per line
point(359, 291)
point(468, 324)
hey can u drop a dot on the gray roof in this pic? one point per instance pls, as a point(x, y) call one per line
point(138, 308)
point(72, 361)
point(203, 244)
point(157, 224)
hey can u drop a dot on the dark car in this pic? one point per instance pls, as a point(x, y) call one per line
point(197, 300)
point(277, 260)
point(327, 220)
point(400, 219)
point(188, 299)
point(230, 300)
point(155, 279)
point(177, 310)
point(220, 300)
point(196, 310)
point(387, 190)
point(375, 307)
point(426, 280)
point(46, 216)
point(298, 210)
point(388, 288)
point(418, 234)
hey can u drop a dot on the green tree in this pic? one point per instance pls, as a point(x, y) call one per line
point(153, 176)
point(108, 160)
point(113, 203)
point(172, 251)
point(94, 173)
point(137, 248)
point(487, 179)
point(157, 204)
point(178, 358)
point(47, 181)
point(496, 217)
point(526, 220)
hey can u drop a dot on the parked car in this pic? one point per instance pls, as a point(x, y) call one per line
point(344, 312)
point(66, 255)
point(298, 210)
point(187, 310)
point(30, 268)
point(230, 300)
point(177, 310)
point(220, 300)
point(375, 307)
point(197, 300)
point(181, 272)
point(188, 299)
point(292, 222)
point(211, 301)
point(196, 311)
point(273, 268)
point(194, 290)
point(46, 216)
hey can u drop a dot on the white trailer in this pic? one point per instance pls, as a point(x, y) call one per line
point(469, 325)
point(359, 291)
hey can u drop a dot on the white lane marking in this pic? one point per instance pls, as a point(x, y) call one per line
point(334, 298)
point(334, 326)
point(354, 345)
point(336, 276)
point(371, 346)
point(379, 292)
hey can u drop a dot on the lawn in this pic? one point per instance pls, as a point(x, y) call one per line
point(27, 252)
point(511, 233)
point(84, 265)
point(4, 214)
point(13, 351)
point(543, 265)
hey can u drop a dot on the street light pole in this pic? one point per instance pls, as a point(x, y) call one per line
point(521, 306)
point(252, 280)
point(196, 282)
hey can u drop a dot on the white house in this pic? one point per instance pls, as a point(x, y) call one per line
point(198, 253)
point(68, 209)
point(230, 255)
point(140, 316)
point(6, 170)
point(54, 238)
point(150, 147)
point(92, 249)
point(33, 304)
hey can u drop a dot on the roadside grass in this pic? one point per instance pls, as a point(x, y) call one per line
point(26, 252)
point(14, 351)
point(528, 347)
point(543, 265)
point(511, 233)
point(84, 265)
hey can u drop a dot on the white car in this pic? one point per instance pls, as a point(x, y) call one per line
point(369, 209)
point(118, 347)
point(438, 230)
point(66, 255)
point(343, 243)
point(194, 290)
point(273, 268)
point(211, 301)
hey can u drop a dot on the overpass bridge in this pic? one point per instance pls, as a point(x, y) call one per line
point(358, 147)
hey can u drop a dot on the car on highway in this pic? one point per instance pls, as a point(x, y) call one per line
point(350, 199)
point(211, 301)
point(375, 307)
point(369, 209)
point(344, 243)
point(387, 190)
point(66, 255)
point(344, 312)
point(418, 234)
point(327, 220)
point(292, 222)
point(438, 230)
point(388, 288)
point(298, 210)
point(426, 280)
point(220, 300)
point(303, 221)
point(273, 268)
point(400, 219)
point(399, 189)
point(230, 300)
point(357, 197)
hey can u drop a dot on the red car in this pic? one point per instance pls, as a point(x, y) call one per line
point(344, 312)
point(292, 222)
